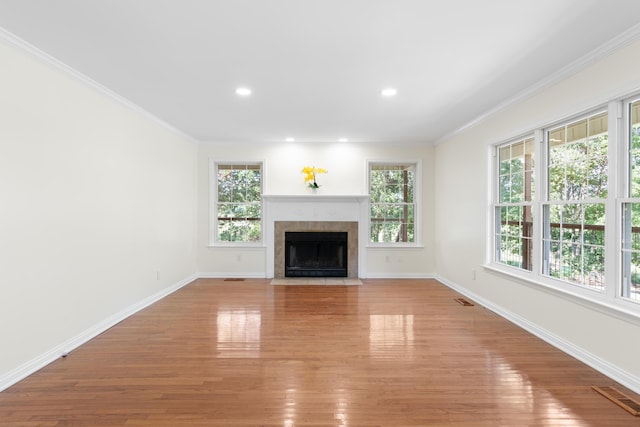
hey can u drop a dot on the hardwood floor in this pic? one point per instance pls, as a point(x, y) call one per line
point(388, 353)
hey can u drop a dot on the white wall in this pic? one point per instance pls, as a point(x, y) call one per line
point(597, 336)
point(99, 208)
point(97, 211)
point(346, 163)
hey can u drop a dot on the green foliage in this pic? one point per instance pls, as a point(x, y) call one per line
point(239, 185)
point(239, 204)
point(516, 187)
point(577, 171)
point(634, 158)
point(392, 205)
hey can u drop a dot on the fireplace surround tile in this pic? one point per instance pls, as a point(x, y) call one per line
point(350, 227)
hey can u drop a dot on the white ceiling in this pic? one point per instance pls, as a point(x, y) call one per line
point(316, 67)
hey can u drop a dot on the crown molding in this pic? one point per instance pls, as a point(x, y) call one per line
point(43, 57)
point(620, 41)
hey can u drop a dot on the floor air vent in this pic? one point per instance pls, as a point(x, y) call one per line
point(620, 399)
point(462, 301)
point(234, 279)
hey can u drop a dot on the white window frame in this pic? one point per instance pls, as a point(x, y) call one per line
point(497, 203)
point(417, 200)
point(213, 202)
point(610, 299)
point(547, 203)
point(625, 194)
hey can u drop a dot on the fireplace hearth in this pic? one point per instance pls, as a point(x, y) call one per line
point(316, 254)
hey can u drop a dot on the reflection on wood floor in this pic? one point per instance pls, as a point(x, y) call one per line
point(388, 353)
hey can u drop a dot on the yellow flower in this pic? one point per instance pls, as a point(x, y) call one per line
point(310, 175)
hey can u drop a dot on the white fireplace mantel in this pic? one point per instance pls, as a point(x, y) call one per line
point(315, 208)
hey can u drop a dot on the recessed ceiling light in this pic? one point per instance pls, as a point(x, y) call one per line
point(343, 140)
point(388, 92)
point(243, 91)
point(290, 140)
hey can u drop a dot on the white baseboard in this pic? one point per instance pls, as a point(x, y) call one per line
point(39, 362)
point(395, 275)
point(218, 275)
point(619, 375)
point(399, 276)
point(614, 372)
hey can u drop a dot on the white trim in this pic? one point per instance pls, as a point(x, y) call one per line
point(613, 227)
point(617, 374)
point(314, 208)
point(619, 308)
point(238, 245)
point(39, 362)
point(382, 247)
point(400, 276)
point(218, 275)
point(606, 368)
point(32, 51)
point(306, 198)
point(627, 37)
point(606, 300)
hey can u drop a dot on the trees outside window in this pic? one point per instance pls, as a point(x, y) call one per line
point(569, 212)
point(576, 226)
point(392, 202)
point(573, 230)
point(513, 210)
point(238, 202)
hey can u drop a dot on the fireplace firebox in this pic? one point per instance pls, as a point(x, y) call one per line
point(315, 254)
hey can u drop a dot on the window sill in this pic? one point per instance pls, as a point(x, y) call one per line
point(237, 245)
point(595, 300)
point(386, 246)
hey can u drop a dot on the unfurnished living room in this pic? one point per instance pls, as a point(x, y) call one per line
point(319, 213)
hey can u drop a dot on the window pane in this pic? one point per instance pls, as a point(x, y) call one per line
point(513, 239)
point(516, 171)
point(573, 233)
point(505, 188)
point(574, 243)
point(578, 164)
point(238, 231)
point(634, 148)
point(391, 190)
point(513, 219)
point(630, 247)
point(238, 204)
point(597, 167)
point(631, 251)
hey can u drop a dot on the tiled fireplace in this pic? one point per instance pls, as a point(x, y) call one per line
point(315, 213)
point(350, 227)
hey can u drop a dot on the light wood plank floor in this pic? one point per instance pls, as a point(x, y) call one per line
point(388, 353)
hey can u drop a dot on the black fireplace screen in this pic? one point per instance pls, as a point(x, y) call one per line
point(315, 254)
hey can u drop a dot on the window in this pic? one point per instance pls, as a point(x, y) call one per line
point(237, 210)
point(513, 213)
point(574, 212)
point(576, 226)
point(392, 190)
point(630, 253)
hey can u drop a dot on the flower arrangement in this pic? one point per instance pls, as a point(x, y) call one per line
point(310, 175)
